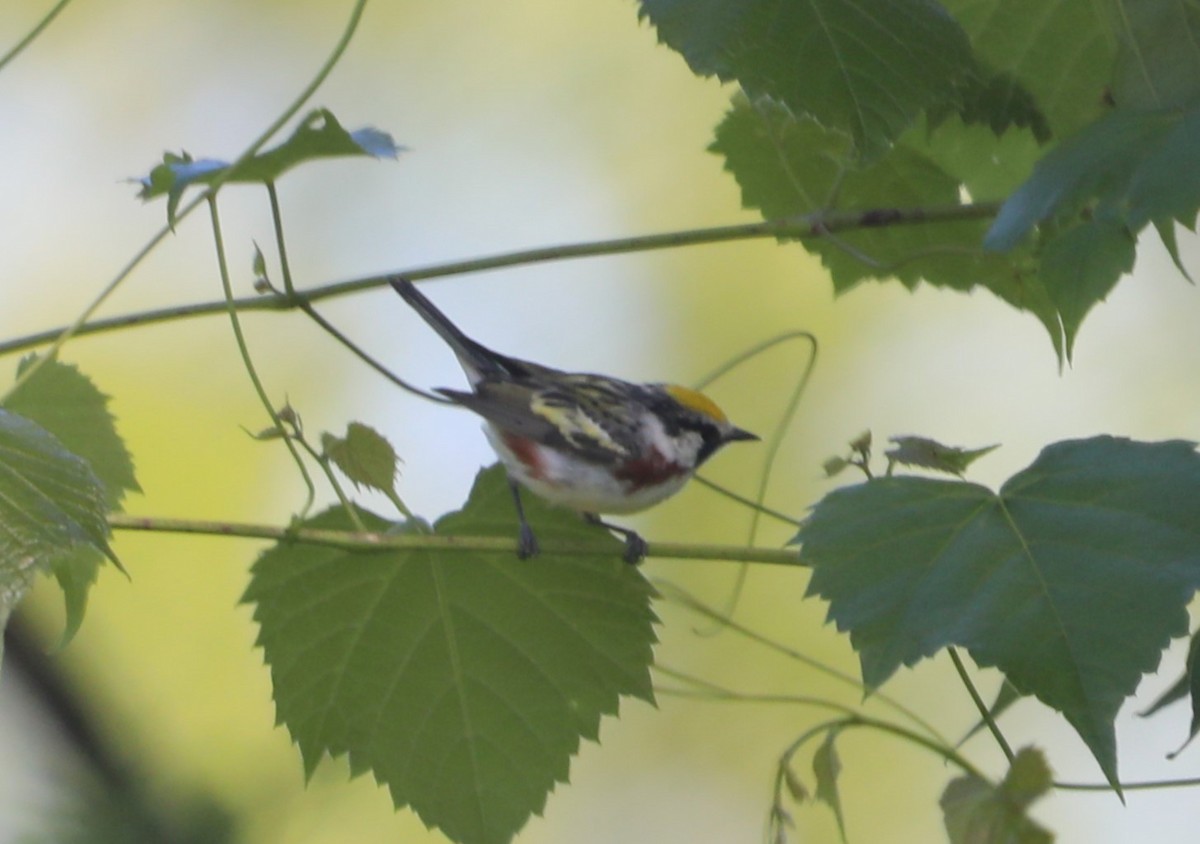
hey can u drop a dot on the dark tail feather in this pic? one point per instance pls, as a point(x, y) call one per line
point(475, 358)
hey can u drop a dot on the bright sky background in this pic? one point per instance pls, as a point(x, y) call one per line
point(530, 123)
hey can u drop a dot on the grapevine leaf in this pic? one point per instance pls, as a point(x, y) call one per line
point(827, 767)
point(463, 681)
point(364, 456)
point(1158, 54)
point(1166, 233)
point(1071, 579)
point(930, 454)
point(1081, 266)
point(66, 403)
point(787, 166)
point(1024, 38)
point(1095, 163)
point(865, 69)
point(319, 135)
point(978, 812)
point(51, 502)
point(1187, 685)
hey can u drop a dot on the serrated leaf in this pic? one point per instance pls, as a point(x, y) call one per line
point(1166, 185)
point(319, 135)
point(1187, 686)
point(787, 167)
point(50, 503)
point(1025, 38)
point(364, 456)
point(463, 681)
point(827, 767)
point(977, 812)
point(1166, 233)
point(1071, 580)
point(1080, 267)
point(65, 402)
point(1158, 54)
point(75, 570)
point(930, 454)
point(989, 167)
point(1097, 162)
point(866, 69)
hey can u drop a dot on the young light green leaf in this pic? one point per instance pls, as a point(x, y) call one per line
point(65, 402)
point(504, 664)
point(930, 454)
point(866, 70)
point(1071, 579)
point(827, 767)
point(51, 502)
point(978, 812)
point(364, 456)
point(75, 570)
point(319, 135)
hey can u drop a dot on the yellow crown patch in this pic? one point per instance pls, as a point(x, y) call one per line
point(697, 401)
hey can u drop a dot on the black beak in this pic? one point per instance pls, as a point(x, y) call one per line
point(739, 434)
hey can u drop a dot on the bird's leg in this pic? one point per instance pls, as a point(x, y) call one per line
point(527, 544)
point(635, 546)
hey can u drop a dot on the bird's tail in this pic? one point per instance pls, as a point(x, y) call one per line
point(476, 359)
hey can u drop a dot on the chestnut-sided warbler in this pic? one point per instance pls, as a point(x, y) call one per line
point(588, 442)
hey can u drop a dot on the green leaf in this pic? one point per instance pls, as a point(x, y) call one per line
point(1166, 233)
point(463, 681)
point(65, 402)
point(1166, 185)
point(989, 167)
point(75, 570)
point(1081, 266)
point(1187, 685)
point(50, 503)
point(827, 767)
point(1095, 163)
point(364, 456)
point(865, 69)
point(999, 102)
point(930, 454)
point(787, 167)
point(319, 135)
point(1071, 580)
point(1158, 56)
point(1025, 38)
point(977, 812)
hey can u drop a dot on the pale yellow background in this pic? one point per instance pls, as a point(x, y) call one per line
point(531, 123)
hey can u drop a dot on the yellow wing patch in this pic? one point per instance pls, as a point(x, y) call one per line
point(697, 401)
point(573, 423)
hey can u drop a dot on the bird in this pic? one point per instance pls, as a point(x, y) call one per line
point(591, 443)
